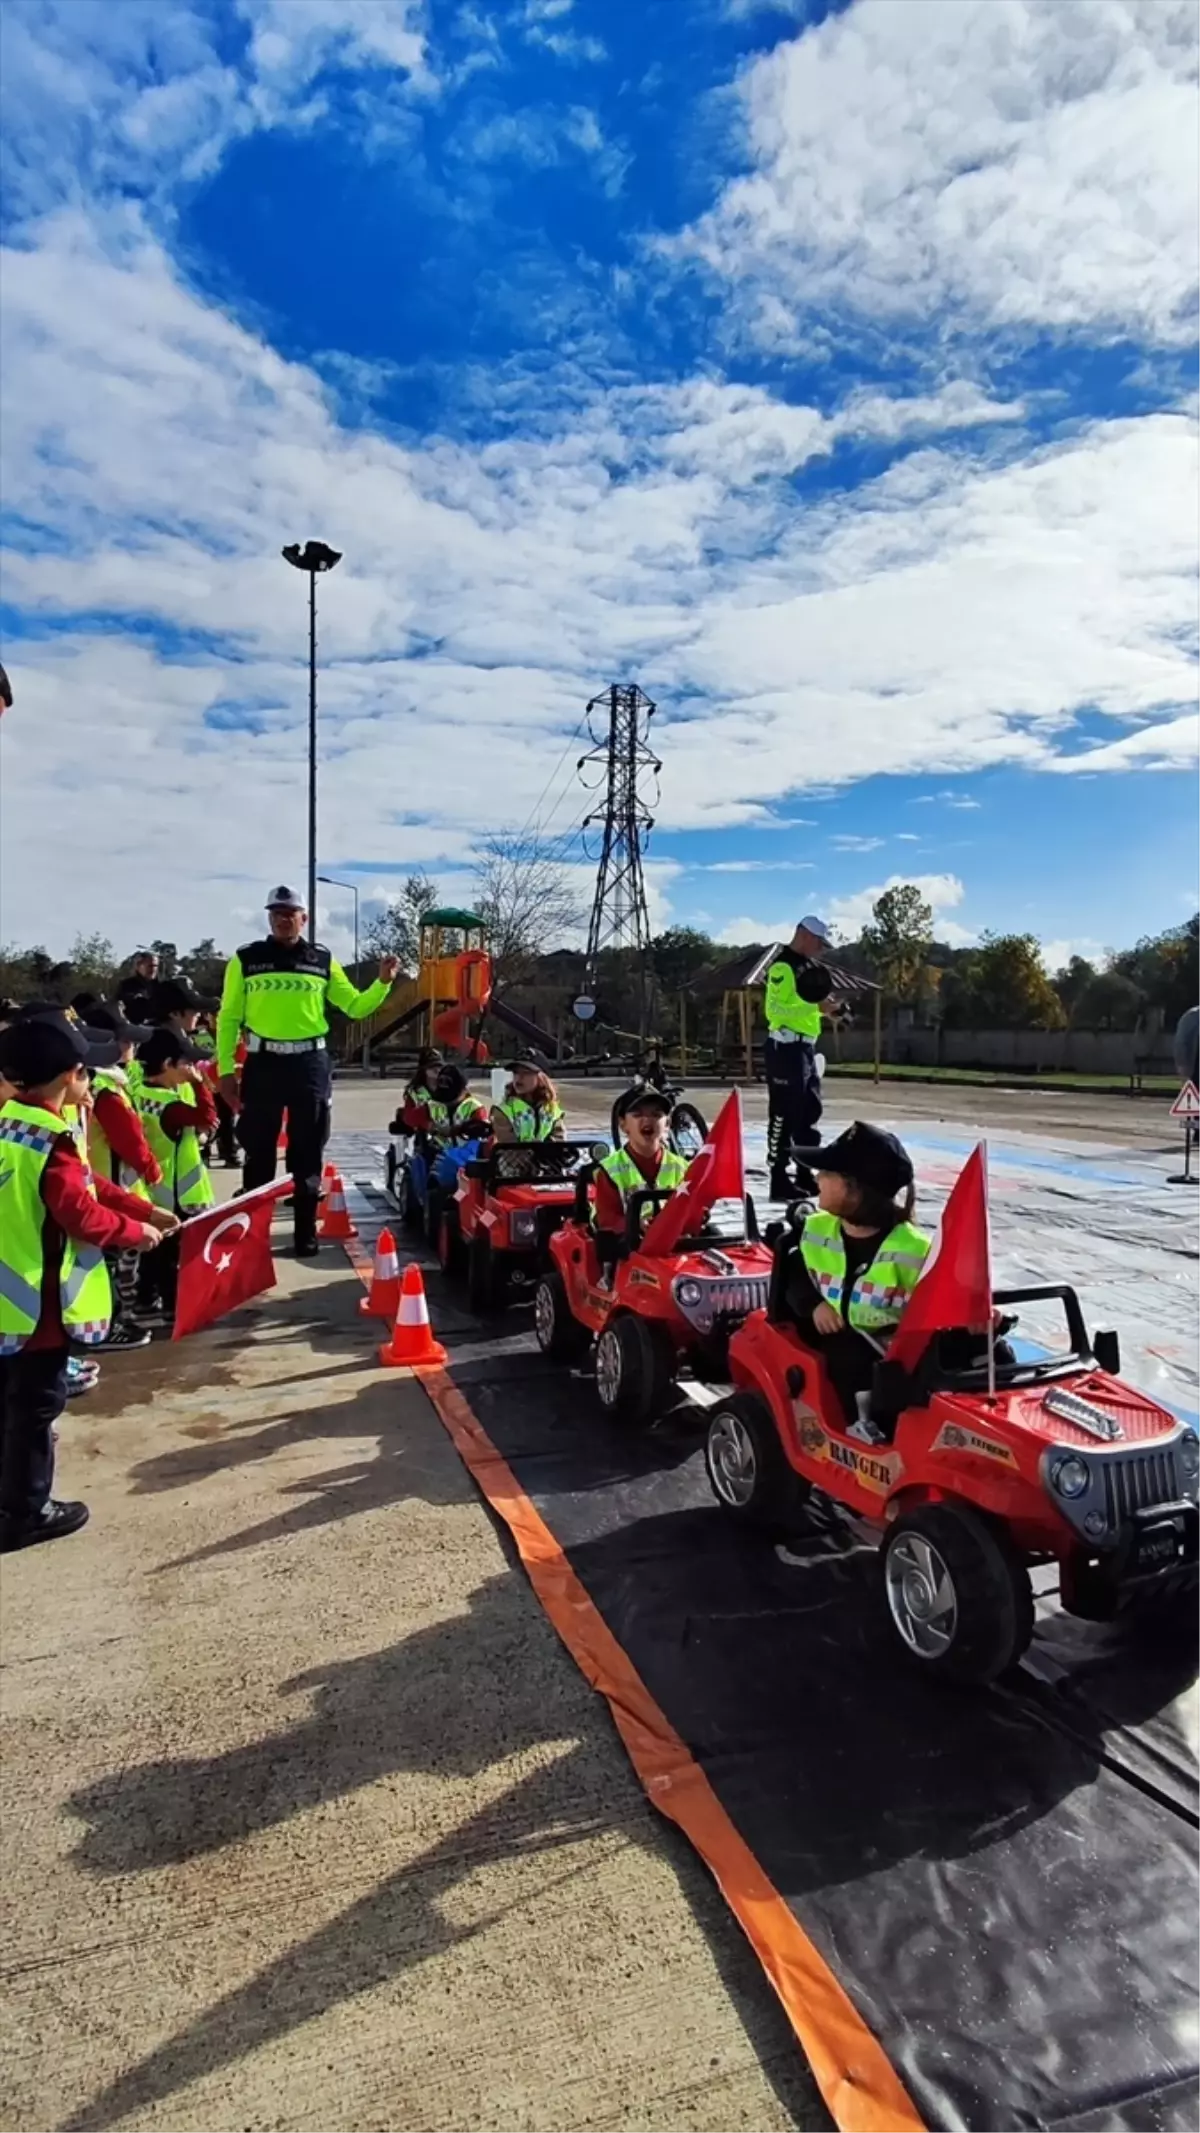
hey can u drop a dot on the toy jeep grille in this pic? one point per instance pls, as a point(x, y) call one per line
point(703, 1299)
point(1139, 1481)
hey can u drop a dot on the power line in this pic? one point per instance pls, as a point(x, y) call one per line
point(622, 762)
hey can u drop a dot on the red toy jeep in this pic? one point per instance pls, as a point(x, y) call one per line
point(659, 1313)
point(1062, 1463)
point(507, 1207)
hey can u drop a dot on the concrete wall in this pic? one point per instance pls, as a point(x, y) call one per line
point(1028, 1051)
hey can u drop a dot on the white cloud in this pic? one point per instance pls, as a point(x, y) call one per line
point(1170, 745)
point(907, 837)
point(756, 866)
point(945, 799)
point(1056, 954)
point(856, 844)
point(996, 162)
point(950, 615)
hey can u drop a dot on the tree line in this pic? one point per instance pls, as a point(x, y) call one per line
point(526, 899)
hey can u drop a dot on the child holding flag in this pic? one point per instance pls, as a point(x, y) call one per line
point(176, 1108)
point(58, 1221)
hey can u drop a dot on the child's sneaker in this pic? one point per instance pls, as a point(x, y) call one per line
point(124, 1334)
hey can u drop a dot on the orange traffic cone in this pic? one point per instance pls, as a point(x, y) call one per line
point(383, 1298)
point(281, 1143)
point(335, 1222)
point(412, 1338)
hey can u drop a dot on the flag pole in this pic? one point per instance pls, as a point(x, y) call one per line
point(991, 1321)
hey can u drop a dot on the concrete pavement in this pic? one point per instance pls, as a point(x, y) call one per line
point(308, 1819)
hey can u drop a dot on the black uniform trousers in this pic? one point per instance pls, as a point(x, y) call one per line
point(300, 1084)
point(794, 1099)
point(33, 1393)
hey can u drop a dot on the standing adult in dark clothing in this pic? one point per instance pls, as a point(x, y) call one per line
point(135, 992)
point(279, 991)
point(797, 983)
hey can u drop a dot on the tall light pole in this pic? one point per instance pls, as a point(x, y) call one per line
point(314, 556)
point(332, 882)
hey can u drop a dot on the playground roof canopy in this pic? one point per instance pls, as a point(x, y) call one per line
point(452, 918)
point(748, 972)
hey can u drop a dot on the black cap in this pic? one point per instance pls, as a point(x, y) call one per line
point(644, 1098)
point(868, 1155)
point(527, 1061)
point(175, 996)
point(41, 1046)
point(111, 1021)
point(165, 1047)
point(285, 899)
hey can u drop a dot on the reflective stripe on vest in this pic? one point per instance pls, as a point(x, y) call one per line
point(882, 1288)
point(441, 1117)
point(530, 1122)
point(185, 1182)
point(628, 1179)
point(27, 1138)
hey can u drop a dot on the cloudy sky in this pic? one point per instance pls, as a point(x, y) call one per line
point(830, 370)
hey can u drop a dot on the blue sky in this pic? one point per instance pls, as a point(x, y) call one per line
point(828, 370)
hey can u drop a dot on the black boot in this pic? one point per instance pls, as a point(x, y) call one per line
point(304, 1223)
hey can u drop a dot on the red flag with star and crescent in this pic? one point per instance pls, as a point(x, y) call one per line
point(225, 1258)
point(716, 1172)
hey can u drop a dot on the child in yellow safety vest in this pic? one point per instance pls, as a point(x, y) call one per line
point(176, 1108)
point(56, 1222)
point(858, 1260)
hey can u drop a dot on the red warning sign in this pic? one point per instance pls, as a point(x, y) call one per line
point(1187, 1103)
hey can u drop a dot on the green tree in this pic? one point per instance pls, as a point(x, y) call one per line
point(93, 964)
point(204, 965)
point(1111, 1001)
point(680, 954)
point(1166, 969)
point(1003, 985)
point(396, 929)
point(1072, 981)
point(898, 938)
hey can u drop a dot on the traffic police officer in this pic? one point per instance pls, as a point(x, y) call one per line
point(278, 991)
point(797, 982)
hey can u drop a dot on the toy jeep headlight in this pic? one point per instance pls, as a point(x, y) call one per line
point(524, 1228)
point(688, 1294)
point(1069, 1476)
point(1189, 1455)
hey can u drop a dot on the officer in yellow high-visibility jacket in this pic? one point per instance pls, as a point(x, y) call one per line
point(279, 992)
point(797, 983)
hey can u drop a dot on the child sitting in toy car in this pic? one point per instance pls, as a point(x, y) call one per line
point(530, 1110)
point(643, 1161)
point(412, 1111)
point(858, 1258)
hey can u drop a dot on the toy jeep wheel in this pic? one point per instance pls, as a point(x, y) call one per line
point(450, 1243)
point(486, 1282)
point(635, 1369)
point(407, 1203)
point(559, 1332)
point(747, 1470)
point(957, 1596)
point(390, 1167)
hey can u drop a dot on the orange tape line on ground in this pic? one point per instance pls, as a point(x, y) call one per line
point(856, 2078)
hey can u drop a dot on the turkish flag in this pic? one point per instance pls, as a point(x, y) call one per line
point(716, 1172)
point(225, 1258)
point(955, 1288)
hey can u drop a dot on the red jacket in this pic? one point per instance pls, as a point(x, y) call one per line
point(113, 1219)
point(122, 1129)
point(610, 1207)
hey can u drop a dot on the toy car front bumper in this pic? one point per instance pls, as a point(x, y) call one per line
point(1156, 1547)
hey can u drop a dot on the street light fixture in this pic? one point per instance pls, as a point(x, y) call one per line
point(332, 882)
point(313, 557)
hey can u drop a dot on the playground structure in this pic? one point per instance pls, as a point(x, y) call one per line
point(448, 1000)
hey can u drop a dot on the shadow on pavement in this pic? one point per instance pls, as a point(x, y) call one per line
point(454, 1699)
